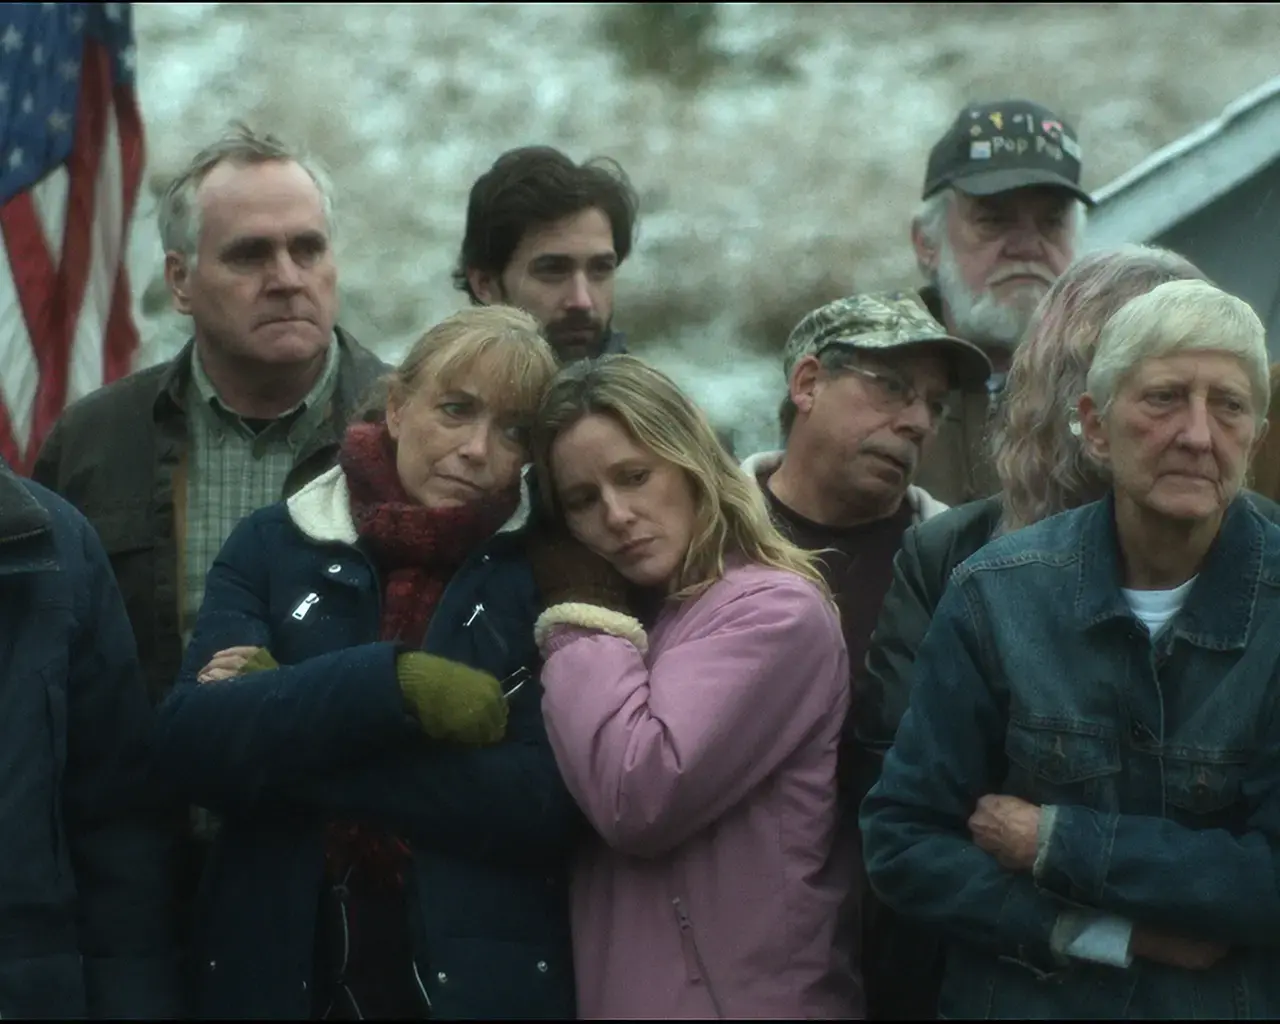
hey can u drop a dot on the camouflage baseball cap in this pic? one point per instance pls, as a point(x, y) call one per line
point(883, 321)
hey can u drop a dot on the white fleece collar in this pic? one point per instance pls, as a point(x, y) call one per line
point(923, 504)
point(322, 509)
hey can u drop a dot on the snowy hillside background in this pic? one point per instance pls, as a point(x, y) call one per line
point(778, 148)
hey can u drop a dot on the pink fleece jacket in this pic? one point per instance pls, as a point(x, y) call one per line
point(708, 767)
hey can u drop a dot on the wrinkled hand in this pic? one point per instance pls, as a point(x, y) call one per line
point(1007, 828)
point(565, 569)
point(230, 663)
point(452, 701)
point(1174, 950)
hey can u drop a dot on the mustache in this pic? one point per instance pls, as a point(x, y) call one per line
point(577, 321)
point(1012, 270)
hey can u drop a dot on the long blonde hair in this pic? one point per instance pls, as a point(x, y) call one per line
point(731, 513)
point(1039, 457)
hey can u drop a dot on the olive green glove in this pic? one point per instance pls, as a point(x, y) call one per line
point(452, 701)
point(260, 661)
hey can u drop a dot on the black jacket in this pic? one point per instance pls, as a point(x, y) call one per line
point(930, 550)
point(85, 883)
point(326, 737)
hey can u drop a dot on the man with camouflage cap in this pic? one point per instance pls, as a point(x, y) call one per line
point(1001, 217)
point(869, 378)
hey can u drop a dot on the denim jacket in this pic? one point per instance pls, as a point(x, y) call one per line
point(1160, 760)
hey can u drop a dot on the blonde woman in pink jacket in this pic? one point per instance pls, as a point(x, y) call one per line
point(694, 686)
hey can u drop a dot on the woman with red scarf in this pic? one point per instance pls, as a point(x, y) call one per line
point(360, 705)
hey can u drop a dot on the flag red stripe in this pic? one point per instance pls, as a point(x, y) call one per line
point(34, 284)
point(9, 444)
point(77, 239)
point(120, 341)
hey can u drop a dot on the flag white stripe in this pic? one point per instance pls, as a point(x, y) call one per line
point(84, 374)
point(19, 374)
point(50, 198)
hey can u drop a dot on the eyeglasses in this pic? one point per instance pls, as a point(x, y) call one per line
point(898, 394)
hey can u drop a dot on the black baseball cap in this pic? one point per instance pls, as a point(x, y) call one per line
point(995, 147)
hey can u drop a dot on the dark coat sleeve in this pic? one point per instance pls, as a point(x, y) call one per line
point(121, 851)
point(504, 804)
point(226, 745)
point(881, 688)
point(919, 855)
point(330, 735)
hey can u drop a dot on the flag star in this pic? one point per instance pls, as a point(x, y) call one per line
point(4, 92)
point(77, 22)
point(15, 158)
point(59, 122)
point(68, 69)
point(129, 58)
point(113, 11)
point(37, 55)
point(12, 40)
point(28, 103)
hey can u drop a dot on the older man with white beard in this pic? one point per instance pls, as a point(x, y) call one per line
point(1002, 214)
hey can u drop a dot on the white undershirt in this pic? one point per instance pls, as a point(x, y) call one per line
point(1087, 934)
point(1157, 607)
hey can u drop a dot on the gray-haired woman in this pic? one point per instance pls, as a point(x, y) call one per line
point(1043, 470)
point(1084, 794)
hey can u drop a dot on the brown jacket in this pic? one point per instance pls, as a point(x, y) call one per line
point(957, 467)
point(118, 455)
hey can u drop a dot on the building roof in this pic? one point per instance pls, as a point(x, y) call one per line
point(1188, 174)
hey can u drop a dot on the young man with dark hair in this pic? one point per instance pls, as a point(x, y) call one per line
point(548, 235)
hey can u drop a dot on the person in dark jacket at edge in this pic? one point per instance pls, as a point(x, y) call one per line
point(1001, 216)
point(1043, 470)
point(361, 703)
point(165, 461)
point(85, 863)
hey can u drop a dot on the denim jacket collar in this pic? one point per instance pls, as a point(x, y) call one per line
point(1218, 614)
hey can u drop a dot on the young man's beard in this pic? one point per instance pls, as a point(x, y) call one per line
point(576, 335)
point(980, 318)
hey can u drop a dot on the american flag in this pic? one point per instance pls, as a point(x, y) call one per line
point(71, 159)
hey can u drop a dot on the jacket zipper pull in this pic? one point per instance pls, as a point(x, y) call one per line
point(305, 605)
point(474, 612)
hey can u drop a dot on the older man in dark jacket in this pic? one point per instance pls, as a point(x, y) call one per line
point(85, 902)
point(165, 462)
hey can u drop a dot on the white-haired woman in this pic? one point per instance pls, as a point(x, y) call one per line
point(1043, 469)
point(1084, 794)
point(696, 682)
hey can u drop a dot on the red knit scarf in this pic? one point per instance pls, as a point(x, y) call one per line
point(416, 549)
